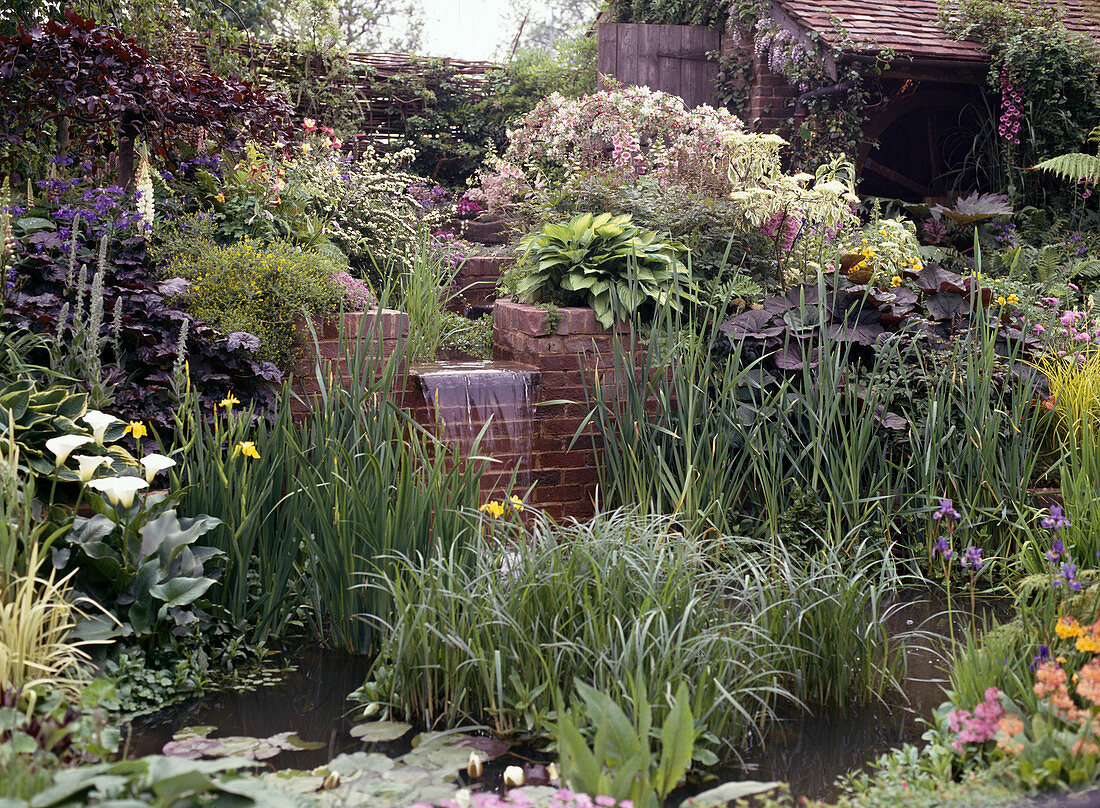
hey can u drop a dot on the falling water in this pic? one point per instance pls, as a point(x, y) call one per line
point(464, 397)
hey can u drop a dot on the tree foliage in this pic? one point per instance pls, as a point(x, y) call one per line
point(99, 89)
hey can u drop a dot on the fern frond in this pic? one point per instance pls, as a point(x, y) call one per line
point(1073, 167)
point(1046, 267)
point(1086, 270)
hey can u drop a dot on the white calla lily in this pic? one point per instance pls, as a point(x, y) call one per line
point(98, 421)
point(119, 490)
point(154, 464)
point(64, 445)
point(87, 465)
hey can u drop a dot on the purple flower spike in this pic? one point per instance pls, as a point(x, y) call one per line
point(946, 511)
point(1056, 521)
point(972, 558)
point(943, 547)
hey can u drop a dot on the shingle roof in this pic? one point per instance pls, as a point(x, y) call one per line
point(908, 27)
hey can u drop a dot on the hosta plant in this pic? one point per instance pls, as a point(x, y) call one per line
point(605, 262)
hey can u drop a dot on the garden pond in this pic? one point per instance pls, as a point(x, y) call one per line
point(304, 720)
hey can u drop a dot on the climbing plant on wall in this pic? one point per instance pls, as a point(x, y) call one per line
point(1046, 78)
point(826, 126)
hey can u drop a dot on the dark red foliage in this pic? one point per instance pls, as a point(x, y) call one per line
point(109, 90)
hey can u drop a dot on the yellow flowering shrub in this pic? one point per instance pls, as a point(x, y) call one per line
point(259, 289)
point(888, 248)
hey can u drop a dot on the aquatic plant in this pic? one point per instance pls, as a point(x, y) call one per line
point(591, 602)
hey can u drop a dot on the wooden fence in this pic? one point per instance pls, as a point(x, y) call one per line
point(672, 58)
point(381, 112)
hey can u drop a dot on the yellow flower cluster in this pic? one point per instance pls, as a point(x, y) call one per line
point(888, 249)
point(496, 509)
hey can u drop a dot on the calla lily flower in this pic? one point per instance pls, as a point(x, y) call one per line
point(64, 445)
point(154, 464)
point(98, 421)
point(119, 490)
point(87, 465)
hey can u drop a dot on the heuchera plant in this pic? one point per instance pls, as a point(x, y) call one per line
point(149, 321)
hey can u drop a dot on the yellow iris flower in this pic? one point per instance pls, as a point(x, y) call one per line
point(493, 508)
point(248, 449)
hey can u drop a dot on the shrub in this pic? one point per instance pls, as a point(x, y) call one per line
point(258, 289)
point(371, 215)
point(144, 334)
point(692, 172)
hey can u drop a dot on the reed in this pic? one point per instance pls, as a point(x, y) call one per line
point(349, 482)
point(486, 634)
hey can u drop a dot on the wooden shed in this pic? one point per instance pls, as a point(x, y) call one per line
point(920, 123)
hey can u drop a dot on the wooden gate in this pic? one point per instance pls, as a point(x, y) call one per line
point(672, 58)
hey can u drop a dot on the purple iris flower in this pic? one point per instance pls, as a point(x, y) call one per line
point(972, 558)
point(1068, 575)
point(1041, 657)
point(1056, 551)
point(943, 547)
point(946, 511)
point(1056, 521)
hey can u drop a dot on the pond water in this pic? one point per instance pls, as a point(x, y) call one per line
point(809, 752)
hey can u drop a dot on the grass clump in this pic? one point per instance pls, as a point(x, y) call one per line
point(488, 635)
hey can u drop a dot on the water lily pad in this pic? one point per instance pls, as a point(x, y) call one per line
point(359, 763)
point(194, 748)
point(380, 731)
point(726, 793)
point(193, 732)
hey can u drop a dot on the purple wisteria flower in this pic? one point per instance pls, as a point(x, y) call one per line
point(946, 511)
point(972, 558)
point(943, 547)
point(1056, 521)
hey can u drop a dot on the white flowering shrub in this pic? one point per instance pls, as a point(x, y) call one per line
point(371, 215)
point(695, 173)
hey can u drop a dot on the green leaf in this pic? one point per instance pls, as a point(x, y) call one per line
point(179, 592)
point(726, 793)
point(677, 743)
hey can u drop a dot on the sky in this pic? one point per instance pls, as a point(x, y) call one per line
point(465, 29)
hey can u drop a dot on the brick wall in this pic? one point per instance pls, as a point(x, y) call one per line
point(561, 360)
point(579, 347)
point(393, 328)
point(477, 280)
point(770, 99)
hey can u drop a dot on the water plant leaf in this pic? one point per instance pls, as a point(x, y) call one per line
point(492, 747)
point(726, 793)
point(380, 731)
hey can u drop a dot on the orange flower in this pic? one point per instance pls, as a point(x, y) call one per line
point(1068, 627)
